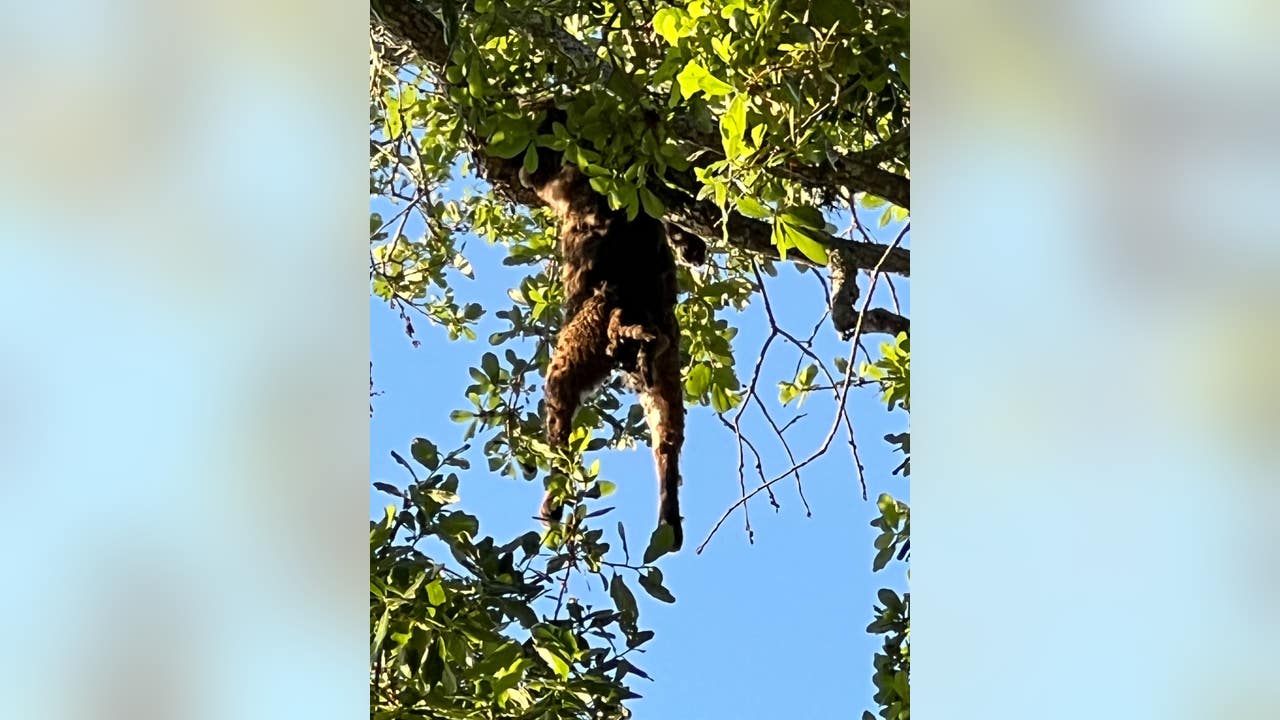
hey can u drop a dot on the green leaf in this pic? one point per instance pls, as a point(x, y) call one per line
point(871, 202)
point(694, 78)
point(602, 185)
point(787, 392)
point(448, 682)
point(393, 126)
point(699, 379)
point(733, 124)
point(752, 208)
point(388, 489)
point(653, 207)
point(507, 145)
point(720, 401)
point(475, 81)
point(807, 375)
point(723, 48)
point(380, 633)
point(529, 542)
point(444, 497)
point(435, 592)
point(660, 542)
point(622, 597)
point(490, 364)
point(554, 661)
point(426, 453)
point(800, 239)
point(667, 22)
point(803, 216)
point(713, 86)
point(651, 581)
point(886, 502)
point(531, 159)
point(687, 79)
point(882, 559)
point(781, 237)
point(459, 523)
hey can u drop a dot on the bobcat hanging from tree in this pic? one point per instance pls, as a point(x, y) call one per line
point(619, 279)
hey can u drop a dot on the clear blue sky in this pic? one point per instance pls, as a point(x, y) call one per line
point(770, 630)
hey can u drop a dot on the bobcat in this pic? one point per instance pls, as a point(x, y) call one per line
point(619, 279)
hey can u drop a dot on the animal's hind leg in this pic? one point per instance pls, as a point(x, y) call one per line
point(663, 401)
point(578, 365)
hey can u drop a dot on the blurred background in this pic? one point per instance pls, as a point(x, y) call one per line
point(1096, 401)
point(183, 408)
point(183, 369)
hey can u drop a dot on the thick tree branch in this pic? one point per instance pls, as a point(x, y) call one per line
point(416, 24)
point(883, 321)
point(859, 172)
point(703, 219)
point(844, 298)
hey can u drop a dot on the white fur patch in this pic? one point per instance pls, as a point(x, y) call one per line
point(651, 415)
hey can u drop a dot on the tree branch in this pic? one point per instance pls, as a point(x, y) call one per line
point(858, 172)
point(703, 219)
point(416, 24)
point(883, 321)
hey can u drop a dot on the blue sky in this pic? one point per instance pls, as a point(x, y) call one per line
point(765, 630)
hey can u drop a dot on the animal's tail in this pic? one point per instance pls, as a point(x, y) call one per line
point(669, 512)
point(663, 401)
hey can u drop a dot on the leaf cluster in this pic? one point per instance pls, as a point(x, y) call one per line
point(493, 634)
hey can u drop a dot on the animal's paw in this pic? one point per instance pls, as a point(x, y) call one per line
point(620, 333)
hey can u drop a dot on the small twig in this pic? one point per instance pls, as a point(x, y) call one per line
point(759, 462)
point(797, 418)
point(853, 213)
point(893, 293)
point(564, 588)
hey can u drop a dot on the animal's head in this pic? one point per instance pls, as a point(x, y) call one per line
point(556, 183)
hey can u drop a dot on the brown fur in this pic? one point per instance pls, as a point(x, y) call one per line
point(619, 279)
